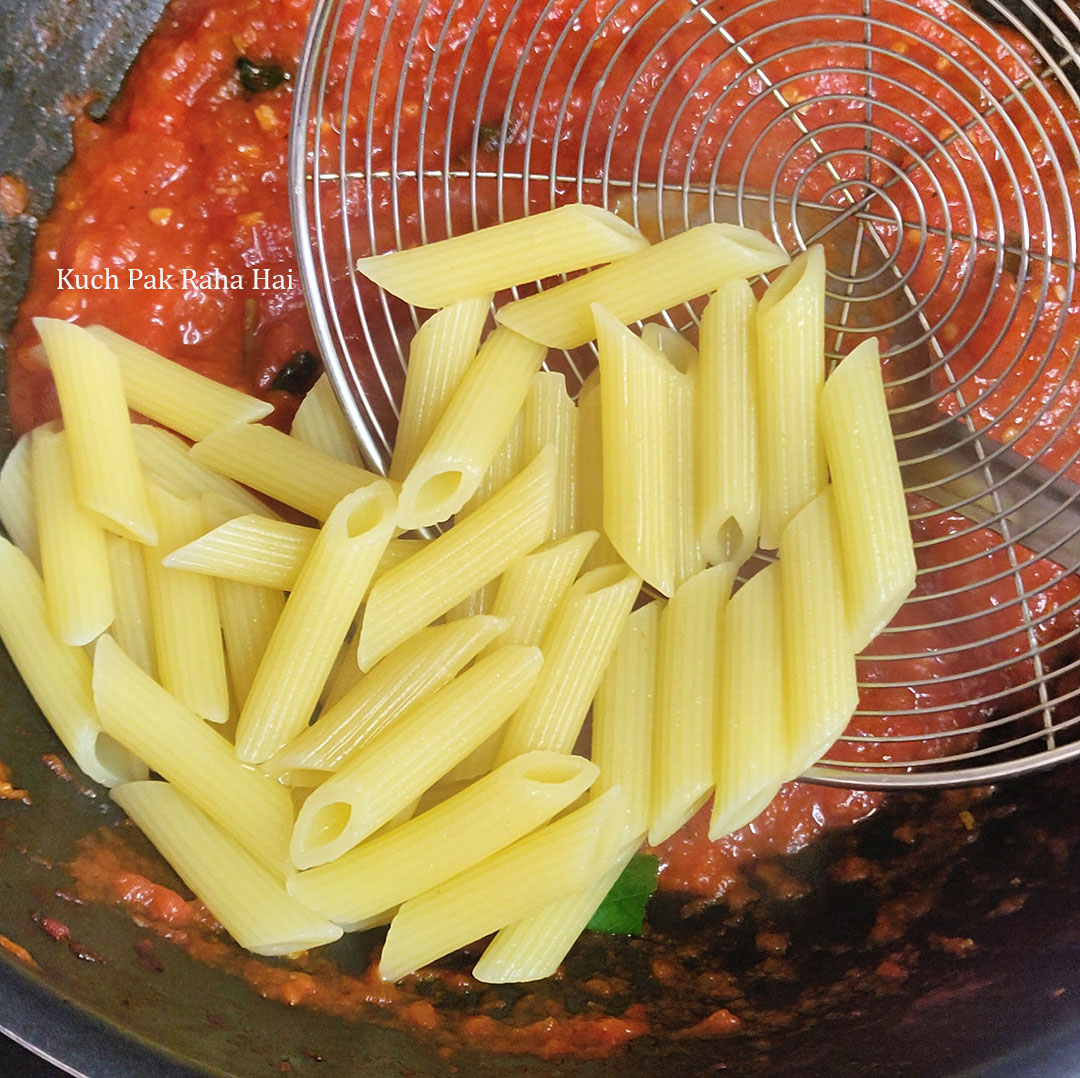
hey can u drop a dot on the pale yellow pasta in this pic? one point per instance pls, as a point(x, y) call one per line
point(439, 354)
point(689, 558)
point(344, 675)
point(483, 818)
point(685, 709)
point(166, 458)
point(281, 467)
point(500, 256)
point(133, 626)
point(411, 754)
point(668, 273)
point(467, 437)
point(550, 418)
point(558, 859)
point(820, 687)
point(789, 373)
point(590, 475)
point(74, 558)
point(183, 608)
point(461, 560)
point(875, 537)
point(533, 948)
point(192, 755)
point(751, 750)
point(577, 648)
point(320, 423)
point(421, 665)
point(672, 345)
point(249, 614)
point(642, 486)
point(168, 393)
point(91, 393)
point(727, 484)
point(16, 505)
point(315, 621)
point(622, 719)
point(250, 902)
point(57, 674)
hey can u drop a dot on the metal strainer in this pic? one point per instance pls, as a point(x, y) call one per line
point(931, 147)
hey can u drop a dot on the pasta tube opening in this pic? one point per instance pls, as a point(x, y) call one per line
point(441, 488)
point(328, 824)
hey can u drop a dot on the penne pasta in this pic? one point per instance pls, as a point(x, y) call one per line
point(590, 473)
point(467, 437)
point(450, 568)
point(249, 614)
point(133, 626)
point(685, 709)
point(412, 754)
point(439, 355)
point(549, 418)
point(282, 467)
point(577, 648)
point(727, 486)
point(184, 613)
point(320, 423)
point(875, 537)
point(174, 396)
point(420, 666)
point(74, 558)
point(250, 902)
point(108, 478)
point(184, 750)
point(501, 256)
point(672, 345)
point(315, 621)
point(790, 372)
point(17, 515)
point(623, 715)
point(751, 751)
point(820, 688)
point(651, 280)
point(412, 858)
point(558, 859)
point(57, 674)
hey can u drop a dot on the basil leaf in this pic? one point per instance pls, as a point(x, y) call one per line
point(622, 913)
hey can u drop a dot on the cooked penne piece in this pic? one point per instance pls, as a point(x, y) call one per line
point(421, 665)
point(174, 396)
point(315, 621)
point(685, 709)
point(412, 754)
point(185, 751)
point(450, 568)
point(820, 688)
point(439, 355)
point(167, 459)
point(534, 947)
point(590, 476)
point(282, 467)
point(250, 902)
point(668, 273)
point(106, 467)
point(467, 437)
point(558, 859)
point(727, 486)
point(550, 418)
point(752, 752)
point(672, 345)
point(483, 818)
point(344, 675)
point(133, 626)
point(622, 719)
point(249, 614)
point(511, 253)
point(184, 613)
point(320, 423)
point(642, 485)
point(875, 536)
point(577, 648)
point(689, 558)
point(74, 558)
point(16, 504)
point(790, 371)
point(57, 674)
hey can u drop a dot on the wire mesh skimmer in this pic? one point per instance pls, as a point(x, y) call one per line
point(932, 148)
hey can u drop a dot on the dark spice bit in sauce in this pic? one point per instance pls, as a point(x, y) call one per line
point(298, 374)
point(259, 76)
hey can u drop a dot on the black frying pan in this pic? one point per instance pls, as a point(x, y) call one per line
point(1012, 885)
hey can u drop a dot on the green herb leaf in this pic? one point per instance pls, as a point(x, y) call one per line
point(622, 913)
